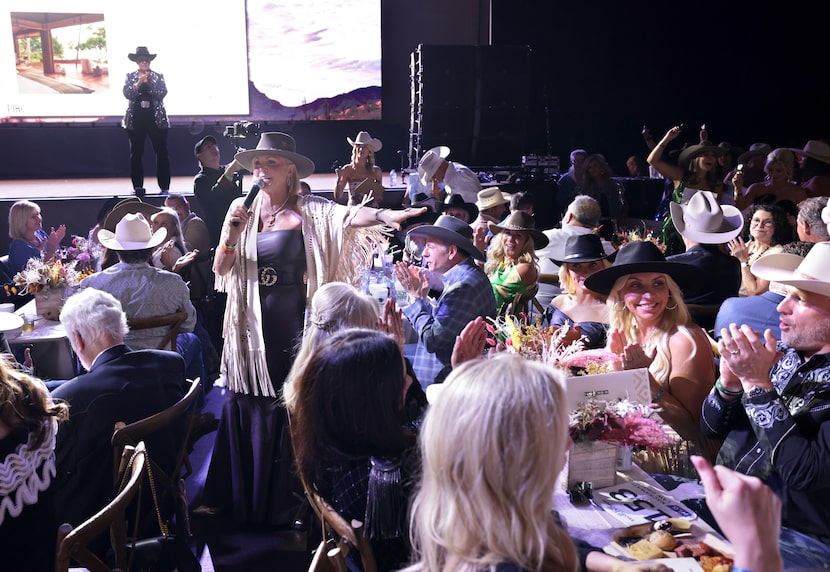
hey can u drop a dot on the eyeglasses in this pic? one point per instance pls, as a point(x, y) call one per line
point(758, 222)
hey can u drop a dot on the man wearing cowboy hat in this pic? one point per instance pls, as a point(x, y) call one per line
point(771, 403)
point(749, 168)
point(467, 294)
point(455, 205)
point(439, 177)
point(493, 206)
point(705, 226)
point(146, 116)
point(146, 291)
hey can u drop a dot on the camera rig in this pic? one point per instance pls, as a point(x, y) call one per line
point(240, 130)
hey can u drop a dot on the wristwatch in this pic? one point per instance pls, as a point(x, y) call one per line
point(757, 390)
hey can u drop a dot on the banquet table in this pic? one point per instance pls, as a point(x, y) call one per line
point(52, 353)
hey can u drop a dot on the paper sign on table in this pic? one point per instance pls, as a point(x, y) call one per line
point(637, 502)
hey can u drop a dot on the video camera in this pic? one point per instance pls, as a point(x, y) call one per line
point(242, 129)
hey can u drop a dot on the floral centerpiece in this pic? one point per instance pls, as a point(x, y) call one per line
point(48, 280)
point(619, 422)
point(550, 345)
point(625, 236)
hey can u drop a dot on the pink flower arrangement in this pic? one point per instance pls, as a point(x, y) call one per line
point(621, 422)
point(589, 362)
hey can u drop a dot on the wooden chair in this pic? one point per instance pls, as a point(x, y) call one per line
point(339, 538)
point(170, 484)
point(174, 320)
point(72, 543)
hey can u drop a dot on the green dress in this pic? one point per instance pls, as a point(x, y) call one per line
point(506, 284)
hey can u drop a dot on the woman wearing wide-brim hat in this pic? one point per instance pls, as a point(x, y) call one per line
point(361, 167)
point(650, 327)
point(512, 265)
point(577, 305)
point(273, 254)
point(696, 170)
point(814, 162)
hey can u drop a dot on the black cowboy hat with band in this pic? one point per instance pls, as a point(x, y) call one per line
point(635, 257)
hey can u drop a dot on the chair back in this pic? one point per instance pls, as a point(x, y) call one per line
point(169, 481)
point(174, 320)
point(339, 537)
point(72, 543)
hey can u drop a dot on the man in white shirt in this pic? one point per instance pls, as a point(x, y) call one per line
point(581, 217)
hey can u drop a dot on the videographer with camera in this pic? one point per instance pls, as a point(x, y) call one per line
point(215, 186)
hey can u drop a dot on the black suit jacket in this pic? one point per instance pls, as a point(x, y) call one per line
point(122, 385)
point(719, 277)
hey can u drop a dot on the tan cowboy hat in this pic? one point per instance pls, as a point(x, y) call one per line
point(818, 150)
point(453, 231)
point(430, 162)
point(130, 205)
point(520, 220)
point(705, 221)
point(491, 197)
point(755, 150)
point(132, 232)
point(692, 151)
point(141, 52)
point(363, 138)
point(281, 145)
point(810, 273)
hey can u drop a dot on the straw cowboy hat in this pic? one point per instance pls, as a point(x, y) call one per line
point(453, 231)
point(520, 220)
point(705, 221)
point(132, 232)
point(810, 273)
point(130, 205)
point(363, 138)
point(581, 248)
point(430, 162)
point(755, 150)
point(141, 52)
point(818, 150)
point(639, 256)
point(458, 201)
point(281, 145)
point(692, 151)
point(491, 197)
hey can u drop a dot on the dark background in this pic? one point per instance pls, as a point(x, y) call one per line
point(596, 73)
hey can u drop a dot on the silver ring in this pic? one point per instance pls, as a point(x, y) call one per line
point(734, 352)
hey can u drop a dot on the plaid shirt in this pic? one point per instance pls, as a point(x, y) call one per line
point(467, 294)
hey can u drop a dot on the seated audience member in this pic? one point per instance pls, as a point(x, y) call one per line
point(28, 239)
point(578, 306)
point(485, 502)
point(749, 514)
point(522, 201)
point(120, 384)
point(770, 404)
point(809, 226)
point(637, 166)
point(511, 261)
point(749, 167)
point(171, 255)
point(767, 229)
point(706, 227)
point(28, 423)
point(455, 205)
point(651, 328)
point(493, 206)
point(348, 439)
point(814, 162)
point(581, 217)
point(305, 188)
point(466, 294)
point(760, 311)
point(215, 186)
point(145, 291)
point(598, 182)
point(777, 186)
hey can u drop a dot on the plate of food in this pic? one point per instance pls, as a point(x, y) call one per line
point(674, 538)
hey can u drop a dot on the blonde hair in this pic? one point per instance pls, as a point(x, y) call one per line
point(19, 214)
point(335, 306)
point(486, 498)
point(370, 158)
point(496, 258)
point(567, 282)
point(675, 318)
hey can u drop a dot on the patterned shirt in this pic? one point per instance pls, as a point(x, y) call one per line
point(783, 437)
point(467, 294)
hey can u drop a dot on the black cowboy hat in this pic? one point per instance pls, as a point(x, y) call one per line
point(458, 202)
point(141, 52)
point(639, 256)
point(583, 248)
point(692, 151)
point(453, 231)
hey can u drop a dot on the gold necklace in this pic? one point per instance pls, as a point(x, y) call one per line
point(274, 214)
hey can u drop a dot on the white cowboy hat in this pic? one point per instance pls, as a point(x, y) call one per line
point(363, 138)
point(811, 273)
point(491, 197)
point(430, 162)
point(818, 150)
point(705, 221)
point(132, 232)
point(281, 145)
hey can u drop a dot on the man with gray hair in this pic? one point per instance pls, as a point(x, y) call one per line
point(120, 384)
point(581, 217)
point(809, 225)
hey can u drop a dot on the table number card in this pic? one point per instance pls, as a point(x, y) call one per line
point(632, 384)
point(637, 502)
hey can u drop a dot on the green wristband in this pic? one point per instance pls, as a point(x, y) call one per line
point(719, 386)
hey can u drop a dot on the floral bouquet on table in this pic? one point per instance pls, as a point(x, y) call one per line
point(40, 275)
point(623, 237)
point(620, 423)
point(591, 362)
point(85, 253)
point(550, 345)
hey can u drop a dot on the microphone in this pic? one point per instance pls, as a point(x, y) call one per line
point(249, 200)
